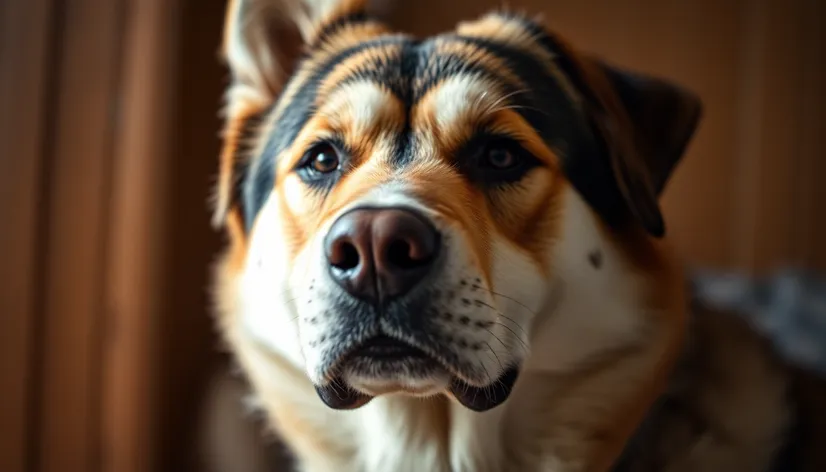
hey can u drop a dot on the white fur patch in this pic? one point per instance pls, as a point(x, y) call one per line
point(598, 306)
point(462, 99)
point(265, 302)
point(360, 107)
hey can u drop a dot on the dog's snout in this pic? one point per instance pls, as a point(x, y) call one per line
point(380, 253)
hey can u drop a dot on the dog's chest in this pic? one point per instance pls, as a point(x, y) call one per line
point(410, 435)
point(413, 435)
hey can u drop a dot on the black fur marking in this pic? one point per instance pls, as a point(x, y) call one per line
point(411, 59)
point(242, 156)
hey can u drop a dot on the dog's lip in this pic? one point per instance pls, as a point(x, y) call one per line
point(384, 347)
point(487, 397)
point(339, 395)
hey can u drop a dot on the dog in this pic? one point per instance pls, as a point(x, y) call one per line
point(448, 254)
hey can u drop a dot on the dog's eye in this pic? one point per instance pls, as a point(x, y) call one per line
point(497, 160)
point(323, 159)
point(500, 158)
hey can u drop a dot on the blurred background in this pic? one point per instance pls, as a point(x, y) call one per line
point(108, 150)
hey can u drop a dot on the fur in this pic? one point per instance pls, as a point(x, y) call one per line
point(558, 269)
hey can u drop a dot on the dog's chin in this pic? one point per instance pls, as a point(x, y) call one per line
point(386, 369)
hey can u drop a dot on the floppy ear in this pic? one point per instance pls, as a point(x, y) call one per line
point(263, 43)
point(645, 124)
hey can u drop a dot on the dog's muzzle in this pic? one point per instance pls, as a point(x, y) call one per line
point(382, 259)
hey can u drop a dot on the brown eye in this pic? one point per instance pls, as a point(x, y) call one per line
point(323, 159)
point(500, 158)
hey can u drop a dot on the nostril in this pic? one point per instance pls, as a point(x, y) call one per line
point(403, 255)
point(345, 256)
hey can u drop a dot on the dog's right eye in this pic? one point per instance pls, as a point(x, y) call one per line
point(323, 159)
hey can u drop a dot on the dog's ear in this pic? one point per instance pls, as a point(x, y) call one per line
point(645, 123)
point(262, 45)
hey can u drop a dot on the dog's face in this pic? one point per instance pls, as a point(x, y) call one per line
point(404, 210)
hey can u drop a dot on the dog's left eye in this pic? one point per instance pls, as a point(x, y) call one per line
point(500, 158)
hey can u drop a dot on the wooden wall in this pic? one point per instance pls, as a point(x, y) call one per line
point(108, 145)
point(85, 121)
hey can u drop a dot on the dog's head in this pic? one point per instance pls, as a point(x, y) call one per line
point(408, 214)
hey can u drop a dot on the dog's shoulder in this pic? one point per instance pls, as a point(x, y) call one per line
point(733, 404)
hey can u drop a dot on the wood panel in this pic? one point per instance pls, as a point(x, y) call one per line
point(76, 233)
point(187, 342)
point(781, 154)
point(136, 295)
point(25, 40)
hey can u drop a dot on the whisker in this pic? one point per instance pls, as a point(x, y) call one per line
point(526, 107)
point(499, 313)
point(497, 294)
point(489, 382)
point(497, 338)
point(525, 346)
point(496, 105)
point(494, 355)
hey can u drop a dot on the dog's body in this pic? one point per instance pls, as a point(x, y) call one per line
point(458, 242)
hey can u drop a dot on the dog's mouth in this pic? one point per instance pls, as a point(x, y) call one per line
point(384, 364)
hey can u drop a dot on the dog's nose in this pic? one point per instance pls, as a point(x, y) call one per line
point(380, 253)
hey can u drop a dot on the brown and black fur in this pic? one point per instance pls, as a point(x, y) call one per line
point(684, 390)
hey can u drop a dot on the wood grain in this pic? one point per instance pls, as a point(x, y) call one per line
point(25, 41)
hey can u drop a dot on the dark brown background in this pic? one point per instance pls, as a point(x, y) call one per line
point(108, 150)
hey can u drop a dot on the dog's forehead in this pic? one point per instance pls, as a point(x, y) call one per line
point(511, 64)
